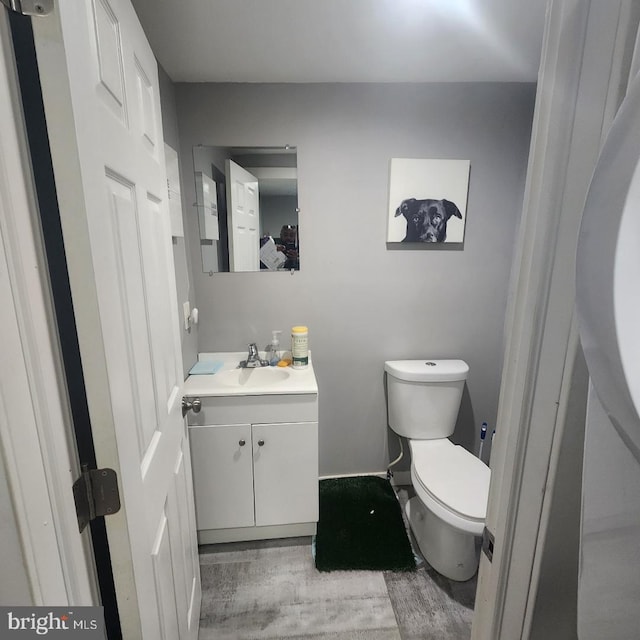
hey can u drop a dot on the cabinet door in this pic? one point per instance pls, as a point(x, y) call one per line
point(222, 476)
point(285, 471)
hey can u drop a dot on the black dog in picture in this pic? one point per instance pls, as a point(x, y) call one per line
point(427, 219)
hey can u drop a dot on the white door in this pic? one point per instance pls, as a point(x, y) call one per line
point(100, 89)
point(244, 218)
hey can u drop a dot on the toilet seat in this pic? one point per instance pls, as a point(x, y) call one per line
point(451, 482)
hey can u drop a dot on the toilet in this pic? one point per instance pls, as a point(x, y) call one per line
point(447, 514)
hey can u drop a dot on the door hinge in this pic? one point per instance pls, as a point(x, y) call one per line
point(96, 494)
point(488, 541)
point(29, 7)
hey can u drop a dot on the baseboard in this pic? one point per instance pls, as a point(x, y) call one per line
point(242, 534)
point(399, 478)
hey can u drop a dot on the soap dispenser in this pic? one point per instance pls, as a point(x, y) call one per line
point(274, 348)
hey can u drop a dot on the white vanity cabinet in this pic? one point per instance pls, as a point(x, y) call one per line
point(255, 467)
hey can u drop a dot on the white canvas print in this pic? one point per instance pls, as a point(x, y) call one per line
point(427, 200)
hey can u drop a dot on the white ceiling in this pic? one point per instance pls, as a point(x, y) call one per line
point(345, 40)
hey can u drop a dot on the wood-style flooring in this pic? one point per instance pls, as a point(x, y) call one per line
point(271, 590)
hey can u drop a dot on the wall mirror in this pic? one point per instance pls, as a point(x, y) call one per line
point(247, 206)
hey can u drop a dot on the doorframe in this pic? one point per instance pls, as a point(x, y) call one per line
point(36, 438)
point(586, 57)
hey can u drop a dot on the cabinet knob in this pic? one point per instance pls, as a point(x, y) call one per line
point(242, 443)
point(261, 443)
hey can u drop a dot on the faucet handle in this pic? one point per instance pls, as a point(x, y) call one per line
point(253, 359)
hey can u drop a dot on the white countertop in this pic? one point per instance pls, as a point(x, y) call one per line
point(231, 381)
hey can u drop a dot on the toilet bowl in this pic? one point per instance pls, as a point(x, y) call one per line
point(449, 510)
point(448, 513)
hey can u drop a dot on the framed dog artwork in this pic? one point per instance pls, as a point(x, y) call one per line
point(427, 200)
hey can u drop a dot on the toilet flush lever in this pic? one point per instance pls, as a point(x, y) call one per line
point(194, 405)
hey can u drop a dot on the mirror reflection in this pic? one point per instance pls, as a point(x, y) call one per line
point(247, 205)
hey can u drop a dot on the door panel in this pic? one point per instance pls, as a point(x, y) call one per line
point(164, 579)
point(183, 526)
point(121, 204)
point(110, 67)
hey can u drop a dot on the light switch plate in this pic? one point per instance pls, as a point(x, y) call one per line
point(186, 313)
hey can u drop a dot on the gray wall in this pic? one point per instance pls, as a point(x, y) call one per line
point(365, 302)
point(181, 257)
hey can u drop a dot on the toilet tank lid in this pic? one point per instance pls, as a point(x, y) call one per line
point(427, 370)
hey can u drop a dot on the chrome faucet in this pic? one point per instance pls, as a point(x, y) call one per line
point(253, 359)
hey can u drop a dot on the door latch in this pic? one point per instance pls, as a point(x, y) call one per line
point(96, 494)
point(488, 541)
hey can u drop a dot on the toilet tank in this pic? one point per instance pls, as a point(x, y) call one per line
point(423, 396)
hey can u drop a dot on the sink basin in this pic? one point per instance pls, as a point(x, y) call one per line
point(262, 381)
point(250, 378)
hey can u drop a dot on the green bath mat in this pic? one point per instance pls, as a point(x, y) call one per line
point(361, 527)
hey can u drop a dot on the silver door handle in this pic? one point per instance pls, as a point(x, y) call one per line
point(190, 405)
